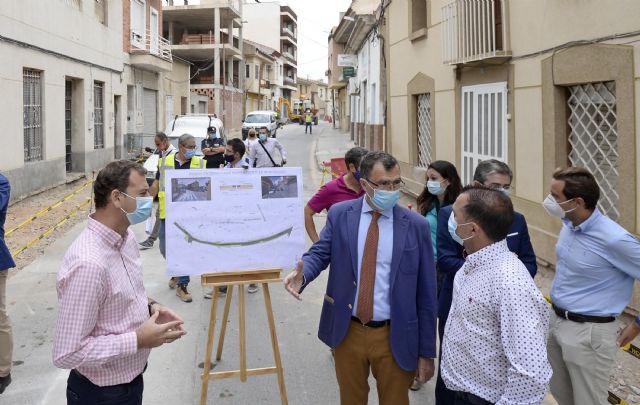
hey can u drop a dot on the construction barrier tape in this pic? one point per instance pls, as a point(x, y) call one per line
point(632, 350)
point(49, 208)
point(615, 400)
point(51, 229)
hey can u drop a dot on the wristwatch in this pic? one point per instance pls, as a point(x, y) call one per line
point(638, 320)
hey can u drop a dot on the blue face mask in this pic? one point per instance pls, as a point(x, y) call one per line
point(189, 153)
point(143, 209)
point(357, 175)
point(453, 226)
point(263, 137)
point(384, 199)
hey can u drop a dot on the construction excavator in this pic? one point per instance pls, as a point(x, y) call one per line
point(293, 116)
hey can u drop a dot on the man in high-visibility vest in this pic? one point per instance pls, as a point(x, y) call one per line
point(308, 121)
point(185, 158)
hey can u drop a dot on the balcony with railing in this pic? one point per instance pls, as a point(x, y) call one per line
point(287, 33)
point(150, 51)
point(473, 31)
point(288, 12)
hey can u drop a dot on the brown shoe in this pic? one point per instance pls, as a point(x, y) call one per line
point(184, 295)
point(173, 282)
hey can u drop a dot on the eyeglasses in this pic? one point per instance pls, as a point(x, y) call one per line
point(388, 185)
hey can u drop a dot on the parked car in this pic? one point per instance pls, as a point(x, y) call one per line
point(195, 125)
point(259, 119)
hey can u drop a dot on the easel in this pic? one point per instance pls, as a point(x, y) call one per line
point(239, 280)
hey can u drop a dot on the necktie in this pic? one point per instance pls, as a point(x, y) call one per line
point(368, 271)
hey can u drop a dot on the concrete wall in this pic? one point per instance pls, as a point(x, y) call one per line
point(536, 98)
point(82, 50)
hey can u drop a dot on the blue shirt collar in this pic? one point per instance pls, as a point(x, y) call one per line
point(586, 225)
point(388, 213)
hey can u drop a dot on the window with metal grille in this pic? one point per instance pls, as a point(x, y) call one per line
point(484, 126)
point(423, 110)
point(68, 91)
point(593, 138)
point(98, 115)
point(32, 114)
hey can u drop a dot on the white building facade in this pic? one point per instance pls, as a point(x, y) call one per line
point(62, 88)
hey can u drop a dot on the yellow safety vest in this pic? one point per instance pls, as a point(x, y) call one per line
point(309, 117)
point(169, 162)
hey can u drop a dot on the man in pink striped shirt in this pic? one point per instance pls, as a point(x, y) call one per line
point(106, 325)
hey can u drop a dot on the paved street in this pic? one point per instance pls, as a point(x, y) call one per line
point(173, 376)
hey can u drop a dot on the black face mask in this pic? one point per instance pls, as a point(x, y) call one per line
point(229, 158)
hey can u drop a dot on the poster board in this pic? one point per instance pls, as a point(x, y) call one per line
point(226, 220)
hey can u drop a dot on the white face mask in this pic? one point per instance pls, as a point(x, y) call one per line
point(435, 187)
point(554, 208)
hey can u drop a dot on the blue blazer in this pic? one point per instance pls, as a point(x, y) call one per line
point(6, 261)
point(450, 255)
point(412, 284)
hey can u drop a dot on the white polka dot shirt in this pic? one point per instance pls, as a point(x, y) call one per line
point(494, 343)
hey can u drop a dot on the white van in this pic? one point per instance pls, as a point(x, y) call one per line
point(195, 125)
point(259, 119)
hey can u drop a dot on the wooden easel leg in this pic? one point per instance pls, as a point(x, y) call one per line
point(225, 319)
point(274, 343)
point(243, 340)
point(207, 356)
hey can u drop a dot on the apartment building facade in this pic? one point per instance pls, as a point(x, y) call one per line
point(62, 89)
point(472, 80)
point(276, 26)
point(157, 85)
point(263, 77)
point(209, 35)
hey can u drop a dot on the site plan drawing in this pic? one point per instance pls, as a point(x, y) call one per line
point(221, 220)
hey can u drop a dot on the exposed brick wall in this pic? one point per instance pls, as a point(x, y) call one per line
point(126, 25)
point(126, 20)
point(231, 115)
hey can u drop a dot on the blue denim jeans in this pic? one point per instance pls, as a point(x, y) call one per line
point(182, 280)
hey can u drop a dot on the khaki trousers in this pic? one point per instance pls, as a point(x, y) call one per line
point(370, 348)
point(581, 355)
point(6, 340)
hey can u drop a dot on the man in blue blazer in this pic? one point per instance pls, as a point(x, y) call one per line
point(490, 173)
point(6, 262)
point(379, 311)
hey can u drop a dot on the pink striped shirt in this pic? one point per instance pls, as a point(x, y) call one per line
point(101, 302)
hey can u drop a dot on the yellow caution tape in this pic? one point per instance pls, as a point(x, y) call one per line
point(49, 208)
point(616, 400)
point(53, 228)
point(632, 350)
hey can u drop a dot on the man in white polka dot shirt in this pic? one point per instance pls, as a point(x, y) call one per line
point(494, 345)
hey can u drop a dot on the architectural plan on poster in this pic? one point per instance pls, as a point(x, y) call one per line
point(221, 220)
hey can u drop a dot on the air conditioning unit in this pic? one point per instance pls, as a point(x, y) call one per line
point(354, 86)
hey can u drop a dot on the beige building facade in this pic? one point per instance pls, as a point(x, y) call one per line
point(317, 92)
point(512, 80)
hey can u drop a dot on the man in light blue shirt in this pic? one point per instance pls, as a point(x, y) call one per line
point(597, 263)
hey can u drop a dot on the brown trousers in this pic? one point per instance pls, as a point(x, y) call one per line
point(370, 348)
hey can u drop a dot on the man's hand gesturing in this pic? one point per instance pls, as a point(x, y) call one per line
point(151, 334)
point(293, 281)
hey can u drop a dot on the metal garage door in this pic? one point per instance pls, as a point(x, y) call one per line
point(150, 111)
